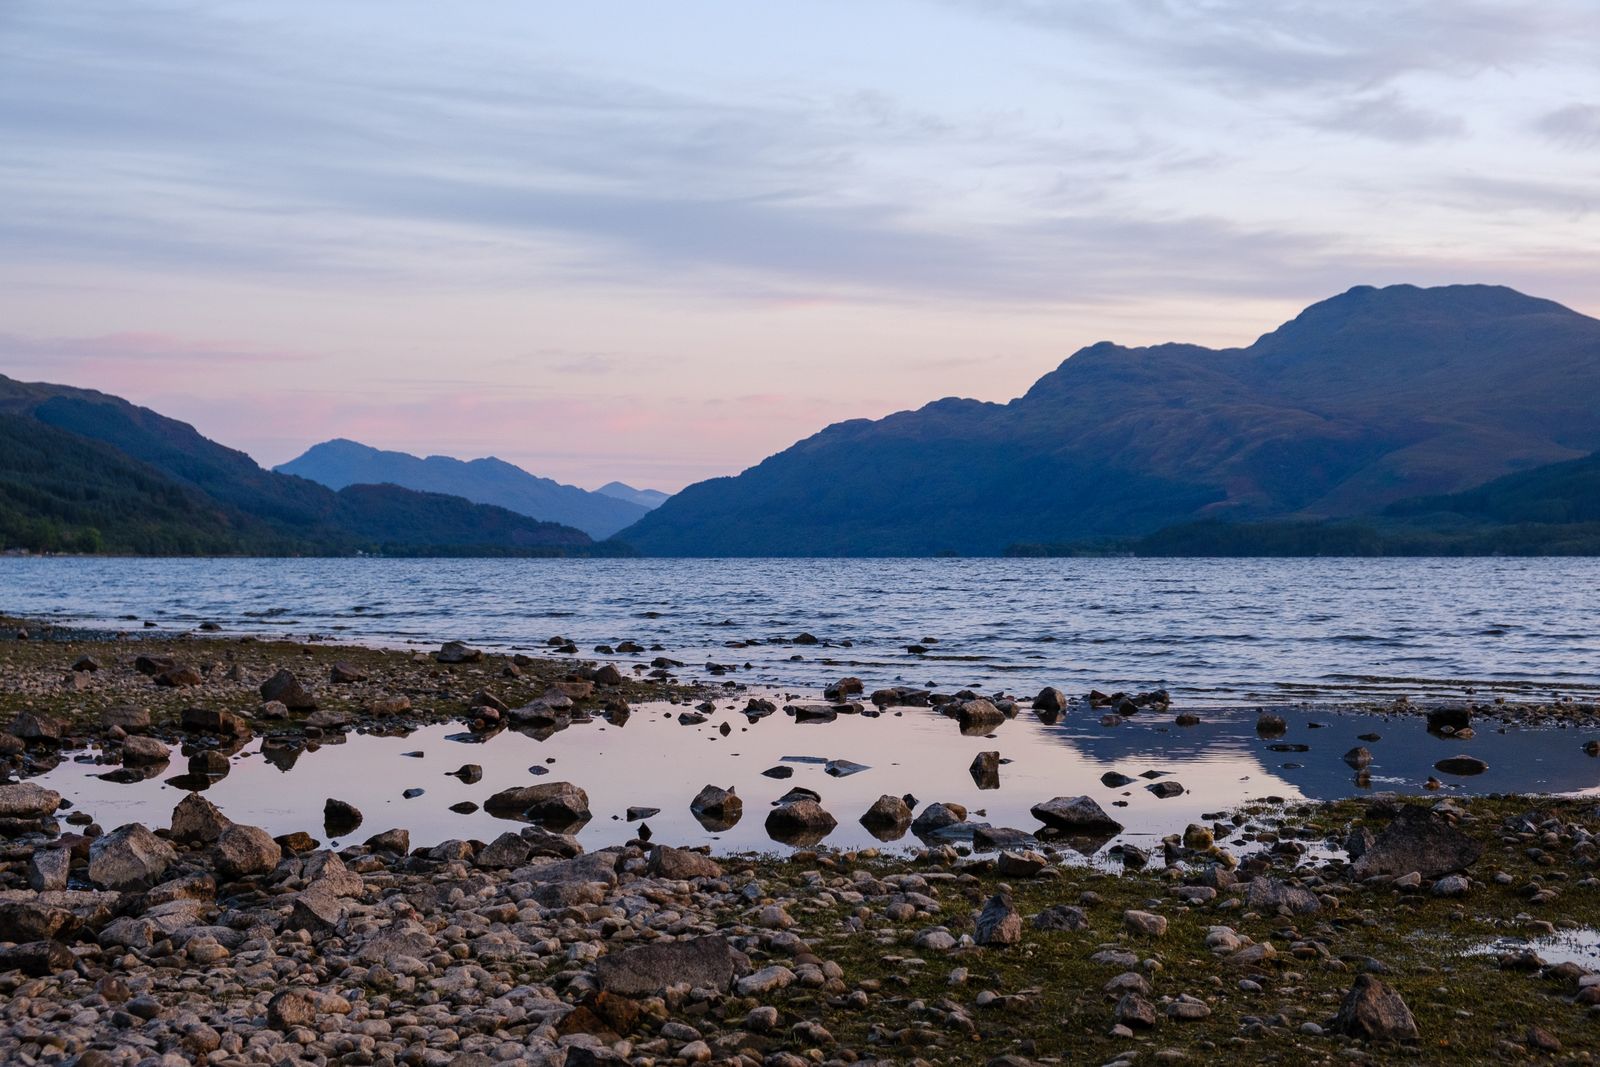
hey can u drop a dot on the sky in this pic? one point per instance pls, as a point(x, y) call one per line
point(658, 242)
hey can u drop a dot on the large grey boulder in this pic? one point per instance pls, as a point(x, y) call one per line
point(196, 819)
point(242, 851)
point(1417, 840)
point(24, 800)
point(703, 962)
point(129, 857)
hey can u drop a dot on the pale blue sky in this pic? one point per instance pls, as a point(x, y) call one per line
point(660, 241)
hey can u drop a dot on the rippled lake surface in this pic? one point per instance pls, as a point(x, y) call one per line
point(1211, 631)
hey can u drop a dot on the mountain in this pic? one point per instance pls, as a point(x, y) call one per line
point(1368, 398)
point(339, 463)
point(84, 471)
point(650, 499)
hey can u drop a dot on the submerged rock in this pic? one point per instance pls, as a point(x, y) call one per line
point(1461, 765)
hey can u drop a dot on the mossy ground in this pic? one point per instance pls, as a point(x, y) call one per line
point(1467, 1007)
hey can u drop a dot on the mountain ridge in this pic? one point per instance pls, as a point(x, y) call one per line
point(1363, 399)
point(67, 454)
point(340, 462)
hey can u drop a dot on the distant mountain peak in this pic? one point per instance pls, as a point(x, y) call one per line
point(1370, 396)
point(645, 498)
point(489, 480)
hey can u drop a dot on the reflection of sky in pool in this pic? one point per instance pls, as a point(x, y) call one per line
point(656, 762)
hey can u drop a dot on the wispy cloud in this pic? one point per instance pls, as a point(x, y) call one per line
point(1389, 117)
point(1572, 126)
point(139, 348)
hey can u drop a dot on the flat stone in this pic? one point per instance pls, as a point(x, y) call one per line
point(708, 962)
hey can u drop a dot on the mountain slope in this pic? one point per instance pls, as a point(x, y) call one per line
point(645, 498)
point(339, 463)
point(169, 475)
point(1370, 397)
point(61, 493)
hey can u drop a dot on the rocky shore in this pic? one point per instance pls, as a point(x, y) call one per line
point(1358, 931)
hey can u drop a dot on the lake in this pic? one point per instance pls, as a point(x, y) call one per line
point(1210, 631)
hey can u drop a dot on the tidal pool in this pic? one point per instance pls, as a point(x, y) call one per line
point(655, 761)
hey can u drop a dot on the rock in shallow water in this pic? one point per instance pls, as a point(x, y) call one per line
point(1075, 815)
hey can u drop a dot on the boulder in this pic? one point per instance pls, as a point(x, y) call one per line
point(33, 920)
point(1359, 758)
point(48, 869)
point(339, 817)
point(1273, 896)
point(937, 817)
point(507, 851)
point(37, 958)
point(395, 841)
point(1050, 699)
point(998, 923)
point(212, 721)
point(144, 752)
point(682, 864)
point(718, 803)
point(24, 800)
point(286, 689)
point(1075, 815)
point(129, 857)
point(456, 652)
point(978, 715)
point(126, 717)
point(887, 813)
point(1061, 917)
point(557, 802)
point(344, 673)
point(1375, 1012)
point(1461, 765)
point(703, 962)
point(34, 728)
point(182, 676)
point(292, 1009)
point(1417, 840)
point(985, 770)
point(800, 819)
point(196, 819)
point(242, 851)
